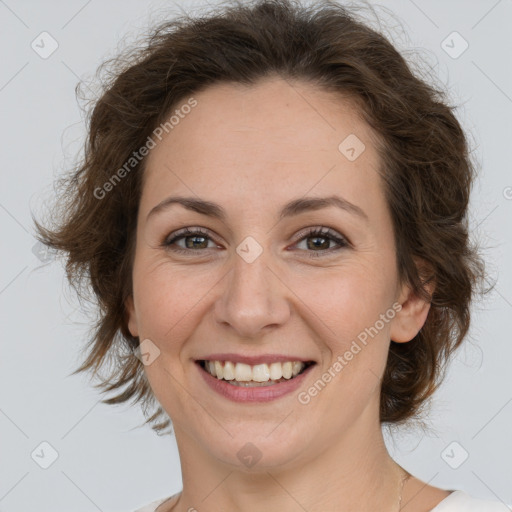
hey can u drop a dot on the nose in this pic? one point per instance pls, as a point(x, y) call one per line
point(254, 299)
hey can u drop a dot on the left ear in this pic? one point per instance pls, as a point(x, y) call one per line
point(132, 319)
point(410, 319)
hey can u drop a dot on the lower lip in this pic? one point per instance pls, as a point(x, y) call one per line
point(255, 394)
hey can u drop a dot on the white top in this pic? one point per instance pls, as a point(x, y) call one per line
point(457, 501)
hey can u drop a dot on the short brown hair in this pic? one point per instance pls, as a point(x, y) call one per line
point(426, 169)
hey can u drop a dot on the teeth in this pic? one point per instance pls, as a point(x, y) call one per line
point(240, 372)
point(276, 371)
point(297, 367)
point(243, 372)
point(287, 370)
point(261, 373)
point(218, 369)
point(229, 371)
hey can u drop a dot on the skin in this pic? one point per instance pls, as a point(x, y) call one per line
point(251, 150)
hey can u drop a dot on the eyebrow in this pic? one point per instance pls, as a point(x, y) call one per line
point(295, 207)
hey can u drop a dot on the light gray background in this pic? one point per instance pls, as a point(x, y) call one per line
point(104, 461)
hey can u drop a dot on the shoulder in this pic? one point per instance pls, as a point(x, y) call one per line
point(460, 501)
point(151, 507)
point(457, 501)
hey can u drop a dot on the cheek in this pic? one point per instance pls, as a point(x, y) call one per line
point(168, 301)
point(349, 300)
point(355, 309)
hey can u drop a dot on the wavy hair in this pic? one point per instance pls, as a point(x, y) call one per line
point(426, 169)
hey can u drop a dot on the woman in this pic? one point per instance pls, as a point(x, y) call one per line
point(272, 213)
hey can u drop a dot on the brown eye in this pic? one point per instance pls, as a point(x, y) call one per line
point(194, 238)
point(318, 242)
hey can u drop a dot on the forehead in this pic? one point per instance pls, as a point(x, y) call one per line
point(267, 141)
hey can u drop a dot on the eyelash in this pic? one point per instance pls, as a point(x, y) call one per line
point(320, 232)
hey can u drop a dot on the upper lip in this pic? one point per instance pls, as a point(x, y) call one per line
point(253, 360)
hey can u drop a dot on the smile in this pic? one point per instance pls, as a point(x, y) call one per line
point(254, 383)
point(242, 374)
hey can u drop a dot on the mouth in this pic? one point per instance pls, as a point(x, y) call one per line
point(251, 376)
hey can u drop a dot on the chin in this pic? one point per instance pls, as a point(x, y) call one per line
point(252, 451)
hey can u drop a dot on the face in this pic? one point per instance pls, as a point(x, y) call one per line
point(305, 285)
